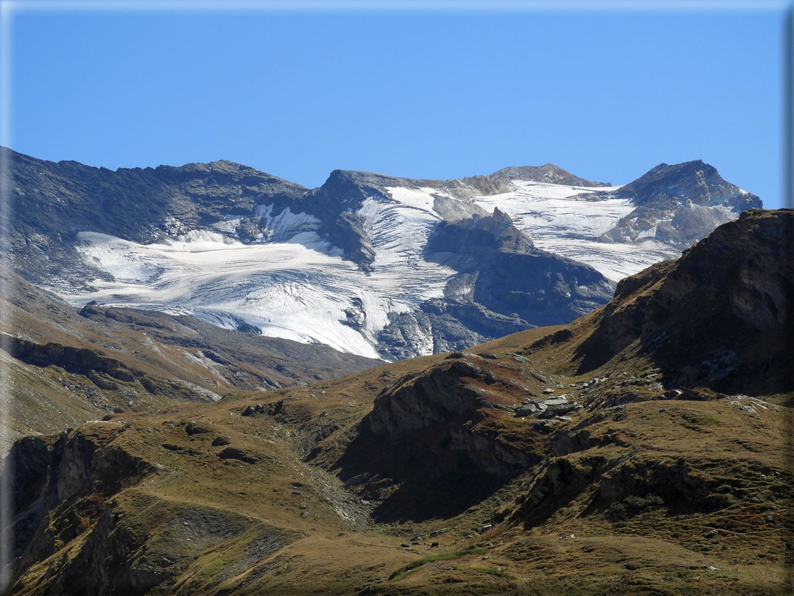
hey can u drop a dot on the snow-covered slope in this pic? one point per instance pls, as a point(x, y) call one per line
point(367, 263)
point(291, 284)
point(299, 288)
point(565, 220)
point(569, 221)
point(288, 290)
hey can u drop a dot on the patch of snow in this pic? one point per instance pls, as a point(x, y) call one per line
point(420, 199)
point(613, 261)
point(568, 220)
point(286, 225)
point(293, 290)
point(549, 210)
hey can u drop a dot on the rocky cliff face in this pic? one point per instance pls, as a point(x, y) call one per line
point(446, 399)
point(436, 441)
point(503, 271)
point(83, 470)
point(722, 312)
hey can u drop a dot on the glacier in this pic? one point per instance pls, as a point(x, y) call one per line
point(292, 284)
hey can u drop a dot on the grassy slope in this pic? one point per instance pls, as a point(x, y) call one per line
point(330, 546)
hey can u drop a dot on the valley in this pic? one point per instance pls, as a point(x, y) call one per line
point(634, 450)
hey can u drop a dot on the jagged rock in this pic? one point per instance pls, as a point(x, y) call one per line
point(559, 410)
point(252, 410)
point(530, 408)
point(560, 400)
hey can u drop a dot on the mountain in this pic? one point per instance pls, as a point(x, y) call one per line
point(636, 450)
point(69, 366)
point(368, 264)
point(676, 203)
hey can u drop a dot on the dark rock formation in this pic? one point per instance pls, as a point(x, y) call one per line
point(723, 311)
point(505, 273)
point(432, 433)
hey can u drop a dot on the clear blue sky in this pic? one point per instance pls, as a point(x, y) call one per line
point(605, 96)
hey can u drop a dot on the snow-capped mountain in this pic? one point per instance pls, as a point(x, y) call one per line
point(369, 264)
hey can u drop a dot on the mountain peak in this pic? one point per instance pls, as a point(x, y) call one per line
point(548, 173)
point(696, 180)
point(678, 204)
point(665, 172)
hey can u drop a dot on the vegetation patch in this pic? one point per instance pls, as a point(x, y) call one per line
point(493, 571)
point(633, 505)
point(439, 557)
point(699, 419)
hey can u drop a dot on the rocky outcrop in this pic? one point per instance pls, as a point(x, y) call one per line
point(501, 270)
point(440, 402)
point(723, 310)
point(478, 236)
point(101, 370)
point(681, 487)
point(76, 360)
point(447, 432)
point(82, 468)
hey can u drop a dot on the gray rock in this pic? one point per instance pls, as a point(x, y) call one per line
point(560, 400)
